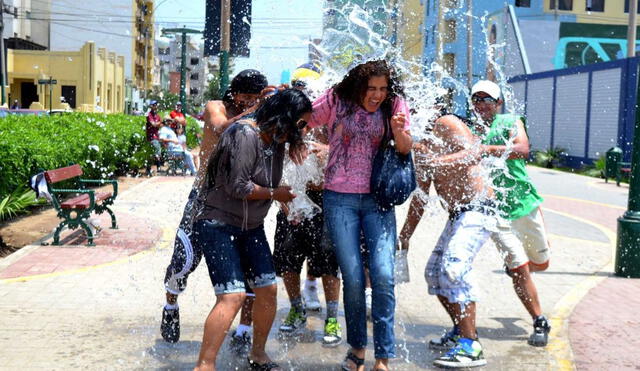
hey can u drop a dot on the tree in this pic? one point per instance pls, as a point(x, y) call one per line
point(167, 102)
point(213, 89)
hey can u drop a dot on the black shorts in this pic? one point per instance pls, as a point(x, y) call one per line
point(305, 241)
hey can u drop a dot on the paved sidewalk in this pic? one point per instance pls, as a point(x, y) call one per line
point(108, 316)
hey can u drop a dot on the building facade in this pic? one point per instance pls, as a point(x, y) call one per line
point(91, 79)
point(527, 36)
point(168, 56)
point(118, 25)
point(142, 54)
point(408, 29)
point(29, 27)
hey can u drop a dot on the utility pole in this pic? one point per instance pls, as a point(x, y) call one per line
point(225, 44)
point(183, 64)
point(628, 242)
point(631, 30)
point(469, 43)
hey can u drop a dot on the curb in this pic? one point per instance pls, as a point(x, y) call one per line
point(559, 341)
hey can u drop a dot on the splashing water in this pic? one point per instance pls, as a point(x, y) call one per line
point(298, 177)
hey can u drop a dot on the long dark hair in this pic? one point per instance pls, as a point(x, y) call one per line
point(279, 115)
point(353, 87)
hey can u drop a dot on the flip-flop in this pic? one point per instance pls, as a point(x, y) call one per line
point(255, 366)
point(353, 358)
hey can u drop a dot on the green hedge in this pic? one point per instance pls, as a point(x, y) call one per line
point(104, 145)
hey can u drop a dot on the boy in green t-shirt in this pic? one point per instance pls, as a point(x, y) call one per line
point(521, 237)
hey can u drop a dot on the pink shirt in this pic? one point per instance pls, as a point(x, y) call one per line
point(353, 141)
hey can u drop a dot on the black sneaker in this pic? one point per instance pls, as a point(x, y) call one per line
point(170, 326)
point(446, 342)
point(540, 336)
point(240, 344)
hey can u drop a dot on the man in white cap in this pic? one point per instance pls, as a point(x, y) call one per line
point(521, 237)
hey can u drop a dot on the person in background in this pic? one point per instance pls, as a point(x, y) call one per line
point(178, 116)
point(152, 127)
point(170, 141)
point(182, 139)
point(299, 241)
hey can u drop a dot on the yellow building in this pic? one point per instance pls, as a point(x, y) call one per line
point(602, 11)
point(410, 25)
point(143, 44)
point(90, 79)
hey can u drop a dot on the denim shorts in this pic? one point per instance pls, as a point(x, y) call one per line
point(235, 256)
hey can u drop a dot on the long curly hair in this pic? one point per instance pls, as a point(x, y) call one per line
point(353, 87)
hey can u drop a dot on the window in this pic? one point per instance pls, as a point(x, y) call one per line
point(433, 34)
point(523, 3)
point(193, 91)
point(195, 76)
point(626, 6)
point(164, 51)
point(451, 4)
point(449, 63)
point(595, 6)
point(561, 5)
point(428, 7)
point(449, 31)
point(69, 95)
point(195, 61)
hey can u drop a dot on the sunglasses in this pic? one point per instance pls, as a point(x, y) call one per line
point(301, 124)
point(476, 99)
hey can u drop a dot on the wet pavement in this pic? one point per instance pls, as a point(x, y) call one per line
point(106, 313)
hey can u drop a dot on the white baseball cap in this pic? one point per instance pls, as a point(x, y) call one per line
point(488, 87)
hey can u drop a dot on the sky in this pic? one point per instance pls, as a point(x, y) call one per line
point(280, 30)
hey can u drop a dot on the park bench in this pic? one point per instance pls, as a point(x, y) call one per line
point(175, 163)
point(75, 211)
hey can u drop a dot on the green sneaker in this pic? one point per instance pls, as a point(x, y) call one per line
point(467, 353)
point(294, 322)
point(332, 333)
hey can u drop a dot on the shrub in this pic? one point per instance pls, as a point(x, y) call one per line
point(549, 158)
point(17, 202)
point(104, 145)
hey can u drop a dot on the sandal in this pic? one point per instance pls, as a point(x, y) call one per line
point(353, 358)
point(268, 366)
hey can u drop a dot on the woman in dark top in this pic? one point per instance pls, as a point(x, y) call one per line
point(244, 175)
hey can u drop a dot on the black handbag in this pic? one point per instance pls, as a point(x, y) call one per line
point(393, 175)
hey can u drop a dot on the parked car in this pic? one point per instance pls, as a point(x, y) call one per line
point(22, 111)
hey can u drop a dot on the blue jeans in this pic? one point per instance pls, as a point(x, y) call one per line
point(346, 214)
point(187, 157)
point(234, 256)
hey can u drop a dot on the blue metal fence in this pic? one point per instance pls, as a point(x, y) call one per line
point(592, 108)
